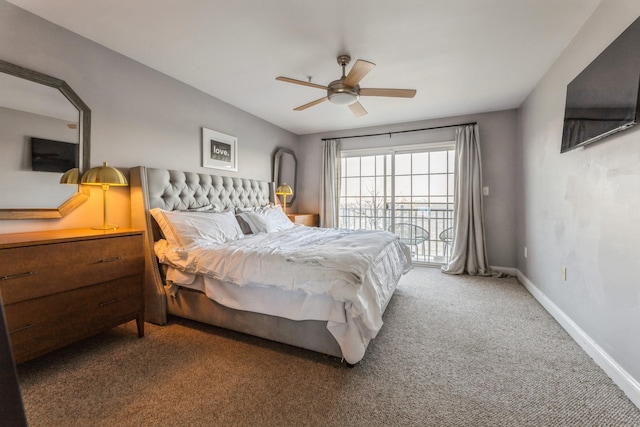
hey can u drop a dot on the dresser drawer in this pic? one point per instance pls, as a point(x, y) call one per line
point(44, 324)
point(39, 270)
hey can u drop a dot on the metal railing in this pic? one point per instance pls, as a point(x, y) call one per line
point(410, 224)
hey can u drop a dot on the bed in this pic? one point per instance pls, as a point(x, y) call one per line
point(259, 283)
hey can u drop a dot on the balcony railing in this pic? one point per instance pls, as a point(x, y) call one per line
point(426, 230)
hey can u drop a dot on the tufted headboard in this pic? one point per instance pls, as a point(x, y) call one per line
point(175, 190)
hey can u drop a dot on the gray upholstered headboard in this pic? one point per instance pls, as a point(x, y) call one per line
point(175, 190)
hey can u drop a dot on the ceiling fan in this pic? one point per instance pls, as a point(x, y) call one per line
point(346, 90)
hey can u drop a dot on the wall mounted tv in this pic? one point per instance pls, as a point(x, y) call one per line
point(603, 99)
point(53, 156)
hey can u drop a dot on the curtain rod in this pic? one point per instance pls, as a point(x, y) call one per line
point(401, 131)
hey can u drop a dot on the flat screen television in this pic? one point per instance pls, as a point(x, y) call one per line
point(53, 156)
point(603, 99)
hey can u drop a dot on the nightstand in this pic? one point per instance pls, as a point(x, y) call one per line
point(310, 220)
point(61, 286)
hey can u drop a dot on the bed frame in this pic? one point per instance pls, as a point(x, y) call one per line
point(174, 190)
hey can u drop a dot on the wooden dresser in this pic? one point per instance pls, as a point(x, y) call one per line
point(310, 220)
point(61, 286)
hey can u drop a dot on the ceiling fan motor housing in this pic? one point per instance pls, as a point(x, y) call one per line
point(340, 94)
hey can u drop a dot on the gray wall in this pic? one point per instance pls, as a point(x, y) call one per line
point(139, 116)
point(17, 180)
point(498, 150)
point(581, 209)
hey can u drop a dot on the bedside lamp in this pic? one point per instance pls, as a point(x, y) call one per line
point(105, 176)
point(284, 190)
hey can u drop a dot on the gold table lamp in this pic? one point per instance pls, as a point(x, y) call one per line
point(105, 176)
point(284, 190)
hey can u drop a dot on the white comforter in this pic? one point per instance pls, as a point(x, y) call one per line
point(358, 268)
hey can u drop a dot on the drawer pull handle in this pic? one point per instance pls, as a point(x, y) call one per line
point(111, 301)
point(118, 258)
point(17, 276)
point(21, 329)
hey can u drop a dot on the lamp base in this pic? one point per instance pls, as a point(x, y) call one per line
point(106, 227)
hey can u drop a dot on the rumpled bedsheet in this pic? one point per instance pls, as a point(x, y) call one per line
point(357, 267)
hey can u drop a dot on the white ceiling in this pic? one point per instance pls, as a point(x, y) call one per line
point(462, 56)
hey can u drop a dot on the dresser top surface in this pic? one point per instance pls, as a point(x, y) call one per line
point(13, 240)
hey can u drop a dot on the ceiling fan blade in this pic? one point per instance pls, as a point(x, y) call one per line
point(310, 104)
point(396, 93)
point(358, 71)
point(357, 109)
point(301, 82)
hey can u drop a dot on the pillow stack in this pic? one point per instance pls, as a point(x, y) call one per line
point(184, 229)
point(265, 220)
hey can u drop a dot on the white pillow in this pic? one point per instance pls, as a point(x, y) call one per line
point(183, 229)
point(267, 220)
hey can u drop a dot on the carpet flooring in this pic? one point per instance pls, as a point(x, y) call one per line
point(454, 351)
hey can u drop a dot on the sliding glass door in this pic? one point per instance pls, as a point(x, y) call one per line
point(407, 190)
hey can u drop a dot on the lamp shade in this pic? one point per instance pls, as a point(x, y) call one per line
point(104, 175)
point(284, 190)
point(70, 177)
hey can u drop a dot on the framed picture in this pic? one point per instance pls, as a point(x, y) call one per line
point(219, 151)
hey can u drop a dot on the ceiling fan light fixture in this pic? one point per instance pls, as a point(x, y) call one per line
point(339, 94)
point(342, 98)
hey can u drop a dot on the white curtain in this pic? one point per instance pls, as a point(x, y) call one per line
point(330, 200)
point(468, 254)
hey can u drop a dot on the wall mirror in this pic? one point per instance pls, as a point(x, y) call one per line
point(35, 105)
point(285, 170)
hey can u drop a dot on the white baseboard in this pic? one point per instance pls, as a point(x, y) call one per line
point(626, 382)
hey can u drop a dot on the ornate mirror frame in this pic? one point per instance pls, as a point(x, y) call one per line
point(284, 160)
point(84, 140)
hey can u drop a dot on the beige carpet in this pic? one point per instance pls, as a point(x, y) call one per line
point(454, 351)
